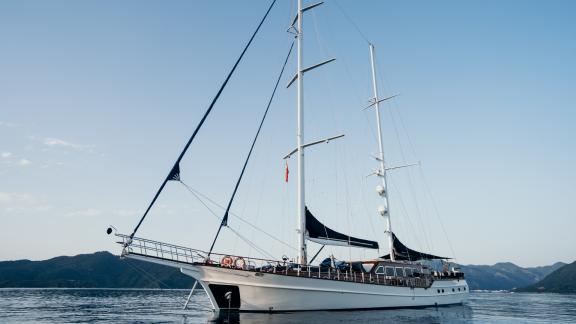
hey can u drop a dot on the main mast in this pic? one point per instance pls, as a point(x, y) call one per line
point(384, 209)
point(302, 259)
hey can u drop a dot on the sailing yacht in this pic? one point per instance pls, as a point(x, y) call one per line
point(402, 278)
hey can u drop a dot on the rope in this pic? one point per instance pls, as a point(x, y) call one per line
point(250, 243)
point(174, 173)
point(146, 274)
point(201, 201)
point(422, 176)
point(351, 22)
point(198, 194)
point(225, 218)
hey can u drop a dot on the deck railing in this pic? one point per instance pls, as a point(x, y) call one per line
point(159, 250)
point(171, 252)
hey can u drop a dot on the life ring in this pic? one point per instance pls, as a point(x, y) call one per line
point(240, 263)
point(226, 261)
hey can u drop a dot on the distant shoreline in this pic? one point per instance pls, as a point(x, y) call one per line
point(105, 271)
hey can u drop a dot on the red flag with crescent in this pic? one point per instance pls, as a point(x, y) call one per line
point(286, 173)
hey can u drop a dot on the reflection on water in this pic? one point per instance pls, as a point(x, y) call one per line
point(165, 306)
point(452, 314)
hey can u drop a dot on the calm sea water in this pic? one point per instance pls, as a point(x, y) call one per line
point(165, 306)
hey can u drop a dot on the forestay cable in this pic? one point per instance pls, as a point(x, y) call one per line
point(175, 171)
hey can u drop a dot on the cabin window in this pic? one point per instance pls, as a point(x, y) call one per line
point(399, 272)
point(408, 272)
point(380, 270)
point(390, 271)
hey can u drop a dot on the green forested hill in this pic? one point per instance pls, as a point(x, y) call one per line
point(505, 275)
point(562, 280)
point(98, 270)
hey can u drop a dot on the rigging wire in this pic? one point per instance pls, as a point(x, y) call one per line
point(225, 218)
point(262, 190)
point(174, 173)
point(422, 226)
point(422, 176)
point(437, 214)
point(410, 184)
point(351, 22)
point(146, 274)
point(426, 186)
point(200, 195)
point(349, 210)
point(434, 205)
point(251, 244)
point(406, 214)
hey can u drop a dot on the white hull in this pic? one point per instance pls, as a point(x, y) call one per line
point(266, 292)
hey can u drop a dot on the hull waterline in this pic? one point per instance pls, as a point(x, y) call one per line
point(268, 292)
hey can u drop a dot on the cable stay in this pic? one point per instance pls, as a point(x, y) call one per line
point(247, 241)
point(225, 218)
point(174, 174)
point(198, 195)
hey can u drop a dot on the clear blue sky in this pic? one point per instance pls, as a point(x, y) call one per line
point(98, 98)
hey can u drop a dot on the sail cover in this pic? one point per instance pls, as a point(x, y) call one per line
point(402, 252)
point(319, 233)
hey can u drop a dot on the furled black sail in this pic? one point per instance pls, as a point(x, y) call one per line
point(402, 252)
point(319, 233)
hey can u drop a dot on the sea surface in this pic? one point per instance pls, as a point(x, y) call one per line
point(165, 306)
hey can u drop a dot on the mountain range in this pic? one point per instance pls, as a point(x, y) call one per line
point(105, 270)
point(562, 280)
point(505, 275)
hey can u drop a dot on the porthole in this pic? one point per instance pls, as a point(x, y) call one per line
point(442, 290)
point(464, 288)
point(438, 290)
point(453, 290)
point(458, 288)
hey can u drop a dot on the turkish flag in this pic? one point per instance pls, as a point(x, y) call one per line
point(287, 171)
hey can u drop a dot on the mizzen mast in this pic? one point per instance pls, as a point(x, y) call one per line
point(382, 189)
